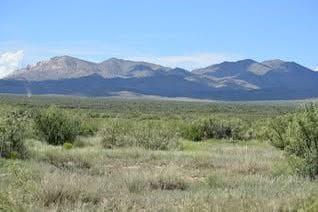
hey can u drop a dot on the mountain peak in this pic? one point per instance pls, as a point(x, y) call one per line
point(126, 68)
point(69, 58)
point(64, 58)
point(113, 59)
point(246, 61)
point(235, 68)
point(243, 62)
point(61, 57)
point(249, 66)
point(273, 63)
point(285, 67)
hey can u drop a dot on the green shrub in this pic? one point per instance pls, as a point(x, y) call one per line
point(156, 136)
point(12, 136)
point(56, 126)
point(298, 136)
point(147, 134)
point(302, 136)
point(214, 128)
point(275, 131)
point(261, 128)
point(67, 146)
point(193, 131)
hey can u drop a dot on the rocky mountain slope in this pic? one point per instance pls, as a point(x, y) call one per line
point(66, 67)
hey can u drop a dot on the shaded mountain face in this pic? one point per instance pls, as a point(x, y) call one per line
point(230, 69)
point(265, 75)
point(240, 80)
point(96, 85)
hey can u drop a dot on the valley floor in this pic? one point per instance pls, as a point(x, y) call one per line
point(215, 175)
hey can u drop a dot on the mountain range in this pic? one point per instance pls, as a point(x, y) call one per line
point(240, 80)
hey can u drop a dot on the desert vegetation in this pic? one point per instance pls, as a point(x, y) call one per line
point(82, 154)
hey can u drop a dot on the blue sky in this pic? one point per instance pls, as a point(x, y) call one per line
point(186, 33)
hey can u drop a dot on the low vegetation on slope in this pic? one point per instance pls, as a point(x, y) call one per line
point(156, 156)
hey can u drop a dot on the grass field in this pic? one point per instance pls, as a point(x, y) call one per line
point(210, 175)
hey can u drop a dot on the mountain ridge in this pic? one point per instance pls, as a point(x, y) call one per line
point(239, 80)
point(64, 67)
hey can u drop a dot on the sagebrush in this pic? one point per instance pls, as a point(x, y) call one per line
point(56, 126)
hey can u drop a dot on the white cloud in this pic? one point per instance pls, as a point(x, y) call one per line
point(189, 62)
point(316, 69)
point(10, 61)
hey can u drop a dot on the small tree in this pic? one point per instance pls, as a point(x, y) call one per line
point(12, 136)
point(276, 131)
point(57, 126)
point(298, 136)
point(302, 136)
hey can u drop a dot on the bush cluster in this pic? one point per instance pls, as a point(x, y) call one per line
point(214, 128)
point(56, 126)
point(12, 136)
point(298, 136)
point(276, 131)
point(147, 134)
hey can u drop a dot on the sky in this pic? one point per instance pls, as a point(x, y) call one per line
point(184, 33)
